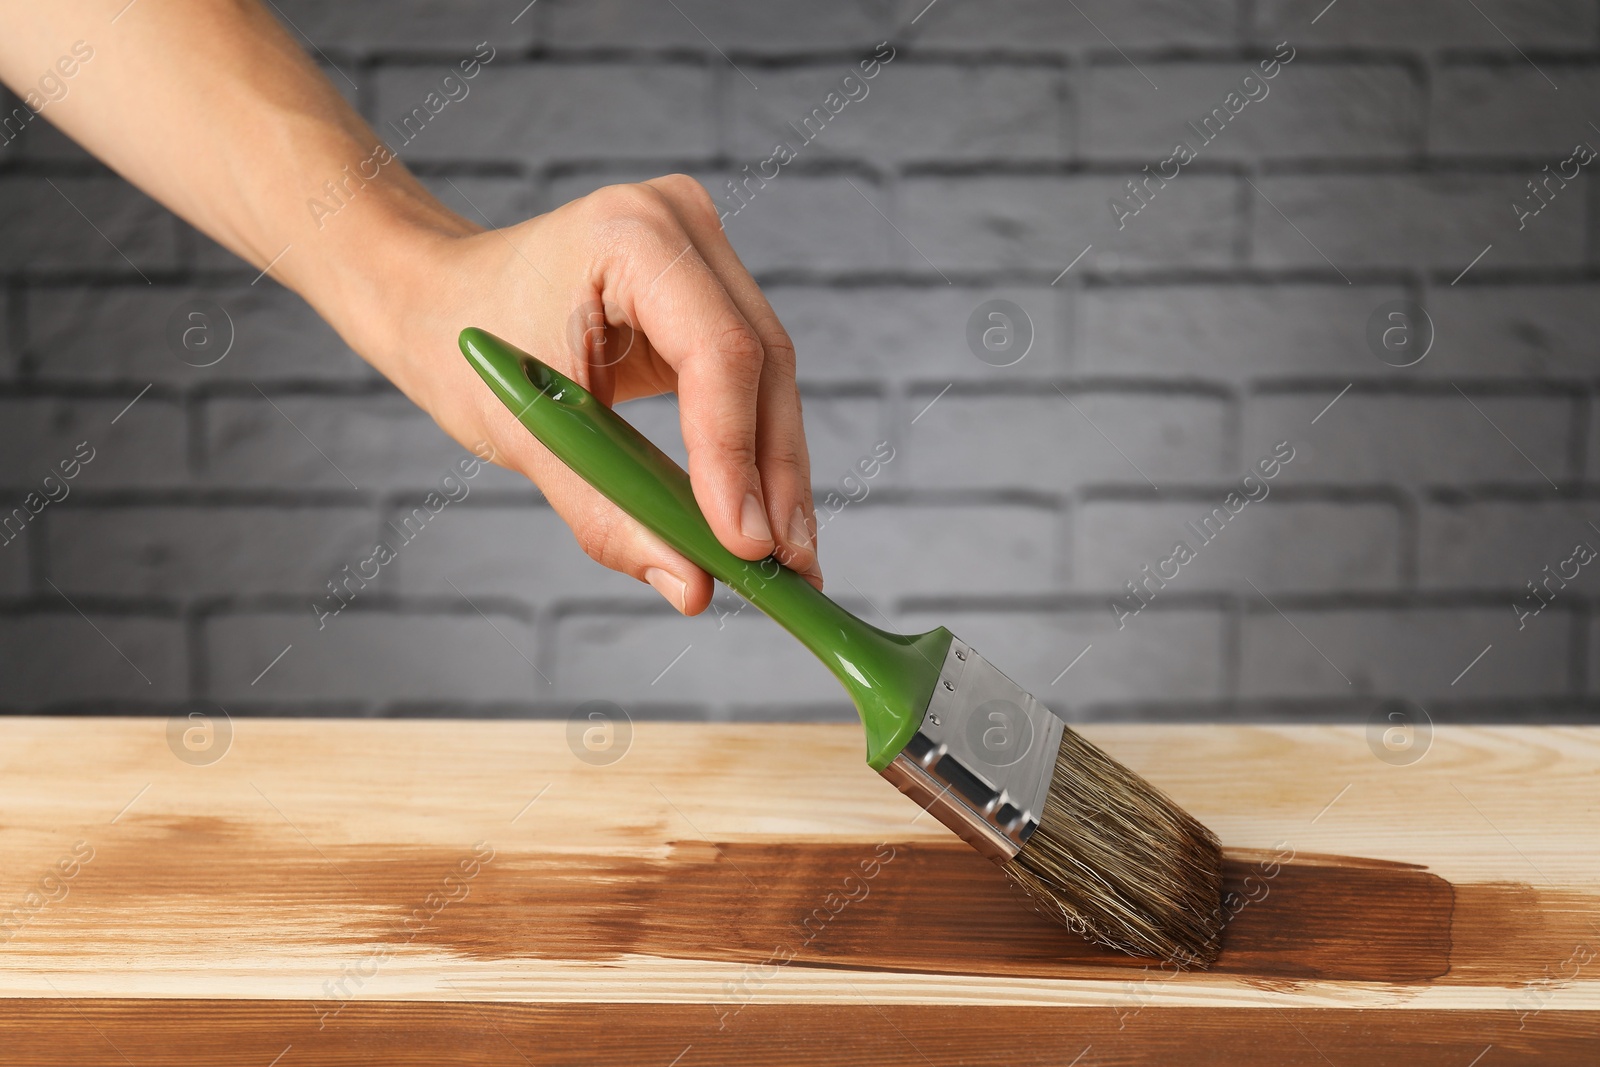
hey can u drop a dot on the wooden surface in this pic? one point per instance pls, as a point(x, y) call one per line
point(386, 892)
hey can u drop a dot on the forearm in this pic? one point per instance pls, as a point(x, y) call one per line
point(214, 110)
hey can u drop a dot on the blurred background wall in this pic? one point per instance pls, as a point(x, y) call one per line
point(1145, 362)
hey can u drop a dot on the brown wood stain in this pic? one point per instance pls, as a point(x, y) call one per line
point(932, 908)
point(180, 1033)
point(920, 907)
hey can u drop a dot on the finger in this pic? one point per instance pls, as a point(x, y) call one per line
point(657, 277)
point(781, 456)
point(604, 531)
point(618, 541)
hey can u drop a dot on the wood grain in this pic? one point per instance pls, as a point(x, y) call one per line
point(741, 887)
point(178, 1033)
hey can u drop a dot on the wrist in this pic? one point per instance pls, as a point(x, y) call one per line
point(371, 270)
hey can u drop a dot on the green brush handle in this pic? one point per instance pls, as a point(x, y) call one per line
point(889, 676)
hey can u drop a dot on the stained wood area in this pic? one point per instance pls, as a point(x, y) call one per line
point(340, 892)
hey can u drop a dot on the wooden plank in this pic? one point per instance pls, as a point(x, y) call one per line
point(154, 1033)
point(376, 874)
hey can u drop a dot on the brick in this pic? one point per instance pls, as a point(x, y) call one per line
point(735, 659)
point(805, 223)
point(730, 26)
point(1396, 439)
point(360, 28)
point(1429, 23)
point(1231, 332)
point(45, 232)
point(55, 659)
point(378, 442)
point(1297, 546)
point(978, 549)
point(1516, 331)
point(991, 442)
point(1403, 652)
point(1243, 332)
point(525, 553)
point(1031, 25)
point(1502, 545)
point(1312, 110)
point(842, 434)
point(1044, 223)
point(1592, 462)
point(910, 112)
point(1440, 221)
point(181, 553)
point(371, 657)
point(1513, 111)
point(143, 448)
point(1594, 658)
point(15, 123)
point(539, 112)
point(119, 333)
point(14, 562)
point(840, 431)
point(895, 333)
point(10, 354)
point(1159, 656)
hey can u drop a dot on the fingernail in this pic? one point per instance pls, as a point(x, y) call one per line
point(814, 571)
point(669, 585)
point(753, 520)
point(799, 529)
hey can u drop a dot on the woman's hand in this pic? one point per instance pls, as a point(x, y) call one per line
point(630, 291)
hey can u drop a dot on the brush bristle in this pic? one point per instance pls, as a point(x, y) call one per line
point(1116, 861)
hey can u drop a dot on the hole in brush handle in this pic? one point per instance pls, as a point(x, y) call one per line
point(552, 383)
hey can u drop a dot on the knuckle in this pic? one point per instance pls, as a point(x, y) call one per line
point(780, 352)
point(729, 445)
point(626, 210)
point(740, 345)
point(692, 197)
point(738, 450)
point(788, 455)
point(598, 539)
point(628, 198)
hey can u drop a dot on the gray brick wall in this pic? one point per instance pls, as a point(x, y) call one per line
point(1230, 313)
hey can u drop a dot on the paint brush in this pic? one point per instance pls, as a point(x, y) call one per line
point(1091, 844)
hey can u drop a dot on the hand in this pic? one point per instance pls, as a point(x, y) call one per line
point(400, 276)
point(631, 291)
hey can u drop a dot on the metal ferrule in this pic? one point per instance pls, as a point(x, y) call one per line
point(982, 760)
